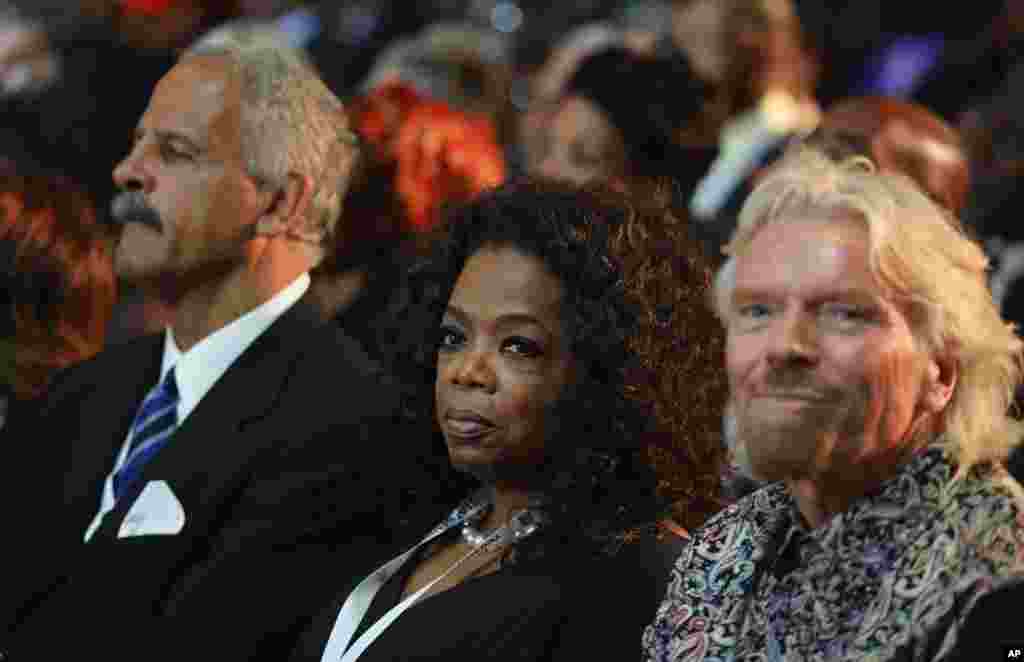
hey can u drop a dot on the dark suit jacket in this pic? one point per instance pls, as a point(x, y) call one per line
point(566, 608)
point(292, 469)
point(993, 627)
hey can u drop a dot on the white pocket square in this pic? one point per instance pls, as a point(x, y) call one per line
point(156, 512)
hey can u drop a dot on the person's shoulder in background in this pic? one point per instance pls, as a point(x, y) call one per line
point(987, 632)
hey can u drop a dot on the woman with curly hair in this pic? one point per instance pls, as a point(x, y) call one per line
point(547, 349)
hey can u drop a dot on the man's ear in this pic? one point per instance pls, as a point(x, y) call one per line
point(286, 212)
point(940, 381)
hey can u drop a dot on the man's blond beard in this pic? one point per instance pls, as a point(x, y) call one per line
point(801, 450)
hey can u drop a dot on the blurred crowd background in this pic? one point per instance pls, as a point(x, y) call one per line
point(450, 97)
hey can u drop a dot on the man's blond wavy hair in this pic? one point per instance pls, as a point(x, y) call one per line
point(920, 254)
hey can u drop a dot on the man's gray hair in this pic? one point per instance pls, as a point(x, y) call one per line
point(291, 122)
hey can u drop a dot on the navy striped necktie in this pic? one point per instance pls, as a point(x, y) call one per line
point(154, 423)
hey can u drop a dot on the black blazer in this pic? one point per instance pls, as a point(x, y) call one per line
point(992, 628)
point(560, 609)
point(292, 469)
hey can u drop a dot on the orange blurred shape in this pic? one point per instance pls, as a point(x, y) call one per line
point(442, 155)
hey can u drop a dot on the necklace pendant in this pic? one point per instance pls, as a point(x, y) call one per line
point(523, 524)
point(473, 536)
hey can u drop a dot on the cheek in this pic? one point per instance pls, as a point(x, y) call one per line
point(850, 361)
point(517, 403)
point(218, 212)
point(178, 209)
point(210, 198)
point(889, 381)
point(741, 354)
point(872, 364)
point(200, 193)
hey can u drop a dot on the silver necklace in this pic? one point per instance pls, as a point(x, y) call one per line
point(522, 524)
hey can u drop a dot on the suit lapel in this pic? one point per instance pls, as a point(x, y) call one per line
point(121, 379)
point(204, 459)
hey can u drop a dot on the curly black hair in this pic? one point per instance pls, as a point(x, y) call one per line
point(601, 487)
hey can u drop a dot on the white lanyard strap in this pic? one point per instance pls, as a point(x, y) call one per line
point(358, 602)
point(375, 630)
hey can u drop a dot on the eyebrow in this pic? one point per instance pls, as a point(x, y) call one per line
point(746, 294)
point(509, 319)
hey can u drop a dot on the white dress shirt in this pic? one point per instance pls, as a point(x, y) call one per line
point(199, 368)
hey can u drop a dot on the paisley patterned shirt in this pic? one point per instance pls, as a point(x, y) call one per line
point(892, 578)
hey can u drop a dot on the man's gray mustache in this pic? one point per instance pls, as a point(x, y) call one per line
point(131, 207)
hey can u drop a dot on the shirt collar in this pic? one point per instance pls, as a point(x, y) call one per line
point(904, 494)
point(198, 369)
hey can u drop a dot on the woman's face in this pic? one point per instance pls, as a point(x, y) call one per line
point(582, 145)
point(503, 361)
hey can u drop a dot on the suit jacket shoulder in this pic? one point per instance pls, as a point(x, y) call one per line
point(296, 447)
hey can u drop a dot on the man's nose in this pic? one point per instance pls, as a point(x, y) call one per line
point(794, 339)
point(132, 173)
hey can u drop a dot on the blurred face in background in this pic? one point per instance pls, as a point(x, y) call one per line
point(780, 61)
point(581, 145)
point(761, 51)
point(26, 59)
point(547, 85)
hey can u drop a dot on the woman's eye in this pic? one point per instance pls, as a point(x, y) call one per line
point(449, 338)
point(522, 347)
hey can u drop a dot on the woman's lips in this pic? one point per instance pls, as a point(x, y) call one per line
point(467, 424)
point(468, 428)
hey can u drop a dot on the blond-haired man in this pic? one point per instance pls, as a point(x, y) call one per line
point(870, 374)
